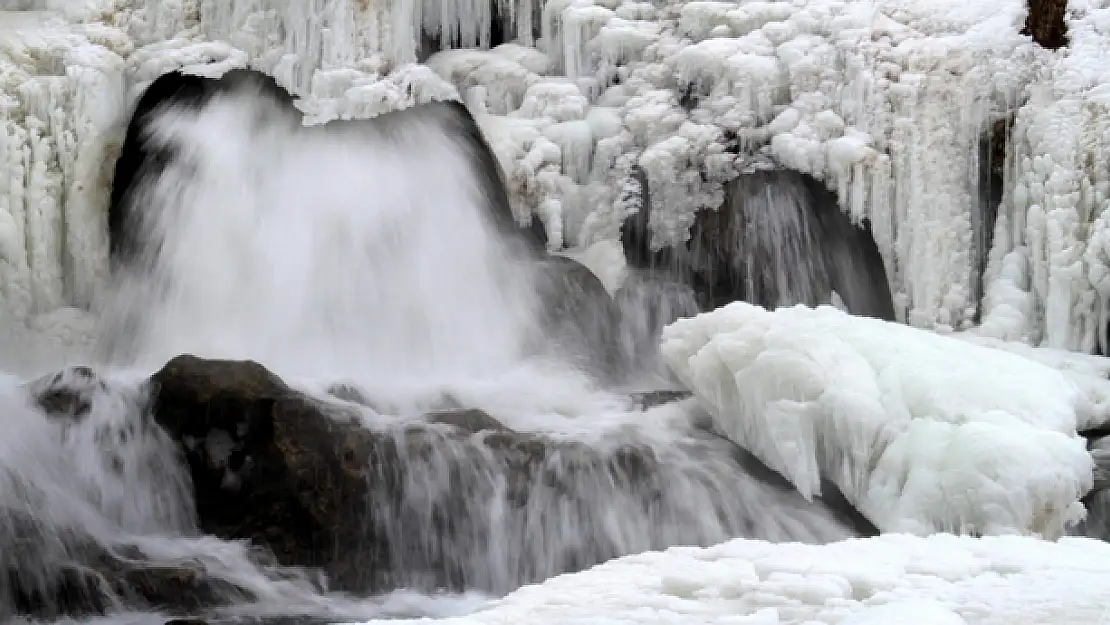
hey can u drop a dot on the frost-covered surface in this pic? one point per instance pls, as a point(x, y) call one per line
point(1050, 269)
point(922, 432)
point(893, 579)
point(60, 96)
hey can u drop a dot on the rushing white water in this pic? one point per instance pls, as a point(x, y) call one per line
point(333, 255)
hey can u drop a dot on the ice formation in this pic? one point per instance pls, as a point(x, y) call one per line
point(939, 580)
point(884, 101)
point(887, 102)
point(922, 432)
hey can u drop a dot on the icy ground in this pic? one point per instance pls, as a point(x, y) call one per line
point(890, 580)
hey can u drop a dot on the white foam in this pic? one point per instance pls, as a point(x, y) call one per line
point(280, 245)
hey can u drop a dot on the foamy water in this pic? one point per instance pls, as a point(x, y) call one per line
point(332, 255)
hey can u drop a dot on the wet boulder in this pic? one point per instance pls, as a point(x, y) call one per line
point(454, 498)
point(270, 464)
point(779, 238)
point(68, 394)
point(402, 504)
point(579, 317)
point(142, 159)
point(47, 575)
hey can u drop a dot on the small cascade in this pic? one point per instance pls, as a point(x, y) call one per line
point(483, 436)
point(778, 239)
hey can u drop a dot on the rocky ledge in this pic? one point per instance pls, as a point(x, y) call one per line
point(314, 487)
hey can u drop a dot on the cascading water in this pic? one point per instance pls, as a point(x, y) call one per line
point(778, 239)
point(331, 255)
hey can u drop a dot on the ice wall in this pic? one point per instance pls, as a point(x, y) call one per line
point(61, 93)
point(602, 101)
point(1049, 276)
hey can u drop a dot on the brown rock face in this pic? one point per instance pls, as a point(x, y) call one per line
point(270, 464)
point(95, 579)
point(455, 499)
point(1045, 23)
point(304, 479)
point(578, 313)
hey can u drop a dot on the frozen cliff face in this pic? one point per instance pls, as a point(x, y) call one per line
point(599, 104)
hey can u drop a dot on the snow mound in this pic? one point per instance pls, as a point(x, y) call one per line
point(922, 432)
point(938, 580)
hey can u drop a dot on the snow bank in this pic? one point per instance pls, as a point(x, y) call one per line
point(891, 579)
point(922, 432)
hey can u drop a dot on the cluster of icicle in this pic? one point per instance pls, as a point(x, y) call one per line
point(887, 104)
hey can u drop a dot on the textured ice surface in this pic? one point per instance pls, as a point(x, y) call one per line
point(922, 432)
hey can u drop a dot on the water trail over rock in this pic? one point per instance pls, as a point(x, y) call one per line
point(778, 239)
point(96, 512)
point(320, 250)
point(363, 254)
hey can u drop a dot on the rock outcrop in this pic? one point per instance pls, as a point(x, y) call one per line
point(1045, 23)
point(272, 465)
point(779, 238)
point(579, 318)
point(449, 499)
point(99, 580)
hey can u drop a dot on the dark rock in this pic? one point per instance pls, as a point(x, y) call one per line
point(1046, 23)
point(85, 578)
point(67, 394)
point(646, 400)
point(271, 465)
point(143, 160)
point(648, 301)
point(993, 146)
point(468, 420)
point(418, 505)
point(580, 320)
point(779, 238)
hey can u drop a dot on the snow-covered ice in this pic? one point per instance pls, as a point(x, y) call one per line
point(922, 432)
point(894, 579)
